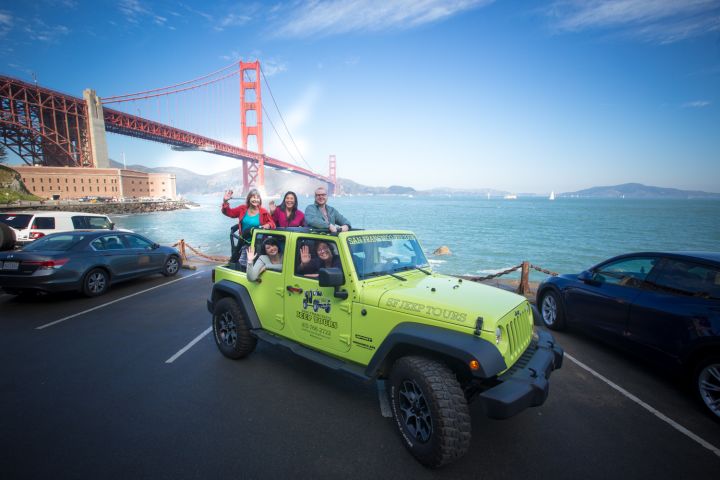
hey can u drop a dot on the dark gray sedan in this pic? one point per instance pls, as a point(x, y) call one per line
point(84, 261)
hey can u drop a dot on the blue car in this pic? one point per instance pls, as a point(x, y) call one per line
point(84, 261)
point(662, 306)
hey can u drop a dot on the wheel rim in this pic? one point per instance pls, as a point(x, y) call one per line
point(227, 331)
point(96, 282)
point(709, 385)
point(415, 411)
point(171, 266)
point(549, 309)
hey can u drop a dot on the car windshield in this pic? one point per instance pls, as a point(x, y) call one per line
point(385, 254)
point(16, 220)
point(57, 243)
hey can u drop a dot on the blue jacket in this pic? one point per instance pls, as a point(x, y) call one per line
point(315, 219)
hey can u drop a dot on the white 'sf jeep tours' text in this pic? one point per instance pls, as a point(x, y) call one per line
point(379, 312)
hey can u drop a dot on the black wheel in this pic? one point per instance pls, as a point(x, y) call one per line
point(551, 310)
point(315, 306)
point(96, 282)
point(171, 267)
point(232, 335)
point(327, 308)
point(7, 237)
point(706, 379)
point(430, 410)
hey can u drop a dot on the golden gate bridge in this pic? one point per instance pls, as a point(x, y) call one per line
point(49, 128)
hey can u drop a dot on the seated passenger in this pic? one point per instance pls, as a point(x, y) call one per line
point(310, 265)
point(271, 260)
point(287, 213)
point(322, 216)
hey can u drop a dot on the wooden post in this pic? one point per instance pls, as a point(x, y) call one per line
point(524, 286)
point(183, 254)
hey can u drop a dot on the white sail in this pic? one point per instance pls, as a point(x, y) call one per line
point(552, 195)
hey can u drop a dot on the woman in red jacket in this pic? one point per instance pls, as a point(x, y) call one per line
point(287, 213)
point(250, 216)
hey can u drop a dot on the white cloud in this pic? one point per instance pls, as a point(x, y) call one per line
point(696, 104)
point(329, 17)
point(6, 22)
point(658, 21)
point(39, 30)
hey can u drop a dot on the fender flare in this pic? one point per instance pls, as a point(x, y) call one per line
point(226, 288)
point(462, 347)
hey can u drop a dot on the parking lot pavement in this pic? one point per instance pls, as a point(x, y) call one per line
point(94, 397)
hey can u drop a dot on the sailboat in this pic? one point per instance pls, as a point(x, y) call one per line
point(552, 195)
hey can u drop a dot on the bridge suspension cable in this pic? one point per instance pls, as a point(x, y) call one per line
point(283, 120)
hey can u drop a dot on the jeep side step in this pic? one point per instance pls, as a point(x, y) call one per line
point(312, 355)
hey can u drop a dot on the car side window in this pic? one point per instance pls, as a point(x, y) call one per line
point(44, 223)
point(134, 241)
point(629, 272)
point(319, 253)
point(98, 222)
point(688, 279)
point(108, 242)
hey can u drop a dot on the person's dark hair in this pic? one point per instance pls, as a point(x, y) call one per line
point(290, 216)
point(269, 241)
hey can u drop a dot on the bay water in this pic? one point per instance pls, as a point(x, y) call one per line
point(484, 235)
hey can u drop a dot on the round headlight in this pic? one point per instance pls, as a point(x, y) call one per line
point(498, 335)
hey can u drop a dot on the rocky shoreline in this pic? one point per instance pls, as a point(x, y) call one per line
point(106, 208)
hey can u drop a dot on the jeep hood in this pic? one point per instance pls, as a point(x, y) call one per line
point(443, 298)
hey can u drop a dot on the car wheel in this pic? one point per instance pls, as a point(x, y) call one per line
point(171, 267)
point(7, 237)
point(707, 384)
point(96, 282)
point(430, 410)
point(551, 310)
point(232, 335)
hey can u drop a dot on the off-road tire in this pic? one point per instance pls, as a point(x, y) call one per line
point(171, 267)
point(706, 384)
point(427, 390)
point(230, 329)
point(95, 282)
point(552, 311)
point(7, 237)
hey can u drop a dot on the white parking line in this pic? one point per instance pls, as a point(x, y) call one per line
point(189, 345)
point(647, 407)
point(114, 301)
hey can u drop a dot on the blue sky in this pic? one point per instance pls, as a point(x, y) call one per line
point(523, 96)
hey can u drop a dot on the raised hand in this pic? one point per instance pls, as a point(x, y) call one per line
point(250, 253)
point(271, 206)
point(304, 254)
point(228, 195)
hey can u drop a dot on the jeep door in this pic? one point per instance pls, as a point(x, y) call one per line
point(316, 316)
point(269, 291)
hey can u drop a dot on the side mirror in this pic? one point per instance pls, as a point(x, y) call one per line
point(155, 246)
point(333, 277)
point(112, 226)
point(588, 277)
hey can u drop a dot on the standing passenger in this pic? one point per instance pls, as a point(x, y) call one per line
point(251, 215)
point(322, 216)
point(287, 213)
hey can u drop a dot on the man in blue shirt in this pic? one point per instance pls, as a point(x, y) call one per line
point(322, 216)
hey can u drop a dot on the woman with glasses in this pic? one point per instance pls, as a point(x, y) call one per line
point(325, 258)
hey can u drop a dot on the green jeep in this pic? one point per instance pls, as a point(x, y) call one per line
point(377, 311)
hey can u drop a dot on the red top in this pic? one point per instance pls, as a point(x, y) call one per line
point(281, 218)
point(239, 212)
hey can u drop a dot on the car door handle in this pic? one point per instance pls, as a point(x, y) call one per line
point(294, 289)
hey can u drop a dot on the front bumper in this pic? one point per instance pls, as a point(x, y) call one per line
point(526, 383)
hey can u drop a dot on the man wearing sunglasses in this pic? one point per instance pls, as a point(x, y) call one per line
point(322, 216)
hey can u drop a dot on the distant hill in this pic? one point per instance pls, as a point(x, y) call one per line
point(354, 188)
point(637, 190)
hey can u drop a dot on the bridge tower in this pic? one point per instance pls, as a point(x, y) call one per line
point(332, 176)
point(251, 101)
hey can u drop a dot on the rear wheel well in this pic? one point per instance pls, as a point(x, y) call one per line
point(698, 355)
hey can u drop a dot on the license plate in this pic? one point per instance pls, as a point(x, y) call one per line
point(10, 265)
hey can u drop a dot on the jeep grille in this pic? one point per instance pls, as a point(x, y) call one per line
point(518, 329)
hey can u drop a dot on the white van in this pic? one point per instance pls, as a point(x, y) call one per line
point(30, 226)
